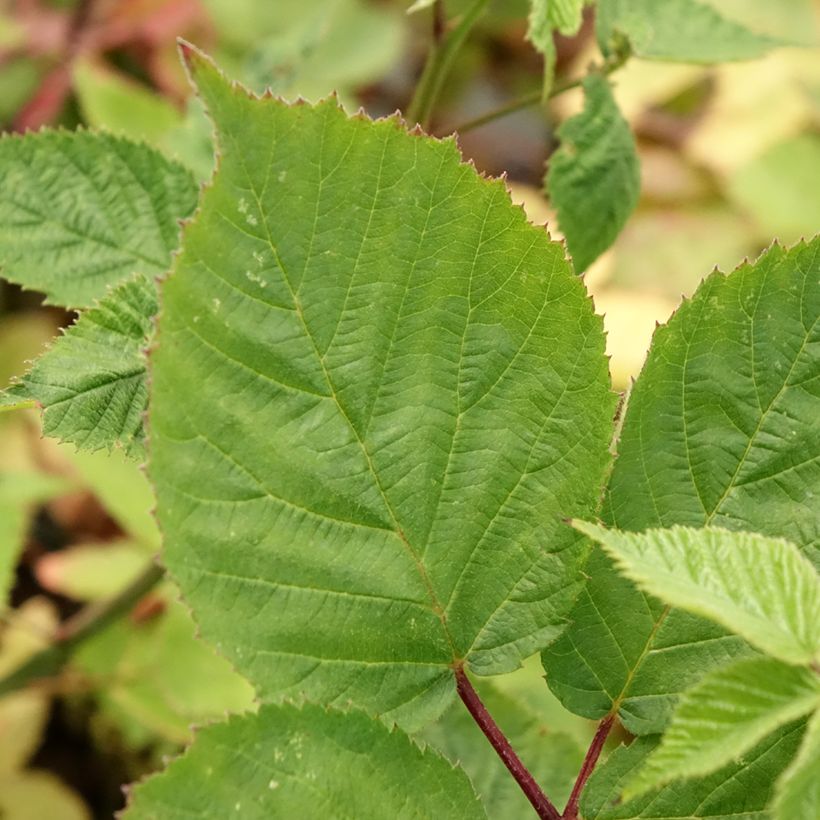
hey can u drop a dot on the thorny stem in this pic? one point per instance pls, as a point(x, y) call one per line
point(587, 767)
point(540, 802)
point(77, 629)
point(533, 98)
point(439, 62)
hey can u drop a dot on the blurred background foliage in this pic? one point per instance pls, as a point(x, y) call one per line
point(730, 159)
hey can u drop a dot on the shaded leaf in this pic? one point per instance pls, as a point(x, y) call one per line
point(91, 384)
point(720, 430)
point(761, 588)
point(594, 177)
point(740, 791)
point(79, 212)
point(376, 391)
point(723, 716)
point(291, 762)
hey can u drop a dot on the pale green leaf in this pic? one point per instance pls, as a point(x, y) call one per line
point(309, 762)
point(739, 791)
point(376, 391)
point(797, 795)
point(552, 757)
point(720, 429)
point(91, 384)
point(79, 212)
point(723, 716)
point(545, 18)
point(760, 588)
point(19, 494)
point(678, 30)
point(594, 177)
point(419, 5)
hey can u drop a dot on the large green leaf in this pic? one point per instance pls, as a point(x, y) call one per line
point(376, 390)
point(724, 715)
point(594, 177)
point(739, 791)
point(721, 429)
point(678, 30)
point(552, 757)
point(290, 762)
point(760, 588)
point(797, 796)
point(79, 212)
point(91, 384)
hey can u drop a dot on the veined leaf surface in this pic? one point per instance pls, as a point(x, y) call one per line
point(721, 429)
point(290, 762)
point(797, 796)
point(376, 391)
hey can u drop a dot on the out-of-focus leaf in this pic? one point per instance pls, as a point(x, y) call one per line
point(87, 572)
point(545, 18)
point(678, 30)
point(779, 189)
point(33, 795)
point(594, 177)
point(23, 336)
point(793, 21)
point(91, 384)
point(110, 101)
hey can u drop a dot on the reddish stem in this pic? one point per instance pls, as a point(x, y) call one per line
point(587, 767)
point(540, 802)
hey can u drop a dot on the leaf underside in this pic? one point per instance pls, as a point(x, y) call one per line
point(308, 762)
point(376, 391)
point(721, 429)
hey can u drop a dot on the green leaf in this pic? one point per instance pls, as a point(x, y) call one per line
point(594, 177)
point(797, 795)
point(747, 785)
point(19, 493)
point(725, 715)
point(308, 762)
point(376, 390)
point(553, 758)
point(546, 17)
point(678, 30)
point(720, 430)
point(79, 212)
point(760, 588)
point(91, 384)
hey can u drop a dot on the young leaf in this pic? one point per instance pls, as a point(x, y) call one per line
point(797, 795)
point(546, 17)
point(721, 430)
point(594, 177)
point(376, 390)
point(91, 384)
point(678, 30)
point(308, 762)
point(79, 212)
point(724, 715)
point(553, 758)
point(747, 784)
point(761, 588)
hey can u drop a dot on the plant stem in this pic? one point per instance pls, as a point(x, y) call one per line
point(77, 629)
point(540, 802)
point(439, 62)
point(587, 767)
point(535, 97)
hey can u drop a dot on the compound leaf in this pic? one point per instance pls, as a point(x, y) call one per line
point(310, 762)
point(594, 177)
point(761, 588)
point(724, 715)
point(376, 390)
point(720, 430)
point(797, 795)
point(91, 384)
point(79, 212)
point(718, 796)
point(678, 30)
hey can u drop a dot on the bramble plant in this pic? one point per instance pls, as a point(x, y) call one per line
point(388, 462)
